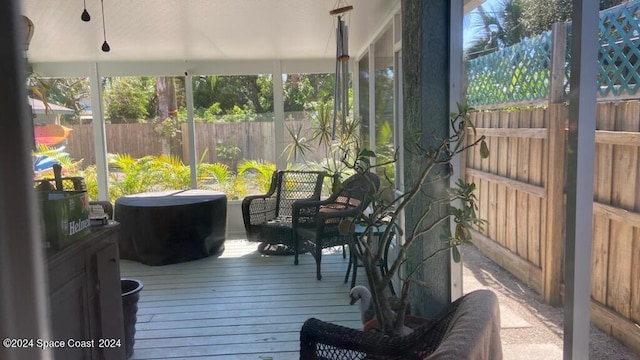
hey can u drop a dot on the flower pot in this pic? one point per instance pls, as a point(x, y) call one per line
point(130, 295)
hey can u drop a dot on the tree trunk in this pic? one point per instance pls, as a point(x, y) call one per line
point(254, 95)
point(168, 115)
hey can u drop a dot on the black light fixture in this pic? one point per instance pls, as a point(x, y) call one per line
point(85, 14)
point(105, 45)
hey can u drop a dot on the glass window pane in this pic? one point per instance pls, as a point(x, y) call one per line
point(363, 90)
point(144, 134)
point(314, 139)
point(234, 133)
point(308, 107)
point(62, 129)
point(384, 103)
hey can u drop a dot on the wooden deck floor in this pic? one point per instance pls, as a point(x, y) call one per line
point(239, 306)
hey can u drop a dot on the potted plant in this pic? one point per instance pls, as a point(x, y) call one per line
point(460, 201)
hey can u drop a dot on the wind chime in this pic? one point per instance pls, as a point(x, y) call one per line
point(341, 90)
point(86, 18)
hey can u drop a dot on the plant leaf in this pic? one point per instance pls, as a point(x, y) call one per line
point(455, 253)
point(484, 150)
point(367, 153)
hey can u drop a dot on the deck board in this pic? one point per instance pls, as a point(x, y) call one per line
point(239, 306)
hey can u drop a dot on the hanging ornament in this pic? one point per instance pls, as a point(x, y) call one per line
point(341, 90)
point(341, 8)
point(85, 14)
point(105, 44)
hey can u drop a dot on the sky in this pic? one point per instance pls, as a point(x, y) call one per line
point(468, 35)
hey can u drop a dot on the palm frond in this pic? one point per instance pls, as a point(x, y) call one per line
point(299, 147)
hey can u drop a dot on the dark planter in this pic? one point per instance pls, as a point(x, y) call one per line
point(130, 295)
point(411, 321)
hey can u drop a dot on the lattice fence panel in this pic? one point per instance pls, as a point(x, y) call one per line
point(619, 57)
point(514, 74)
point(520, 73)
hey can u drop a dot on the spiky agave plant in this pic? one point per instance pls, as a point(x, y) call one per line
point(336, 147)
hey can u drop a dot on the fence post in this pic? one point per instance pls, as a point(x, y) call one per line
point(553, 246)
point(558, 61)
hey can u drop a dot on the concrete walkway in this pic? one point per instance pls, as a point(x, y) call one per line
point(531, 330)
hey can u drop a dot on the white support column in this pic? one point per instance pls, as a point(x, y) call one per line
point(455, 97)
point(398, 130)
point(372, 99)
point(580, 155)
point(99, 133)
point(191, 131)
point(278, 114)
point(355, 82)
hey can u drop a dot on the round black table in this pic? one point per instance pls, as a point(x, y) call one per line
point(167, 227)
point(376, 231)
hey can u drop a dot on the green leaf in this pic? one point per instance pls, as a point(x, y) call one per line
point(455, 253)
point(484, 150)
point(367, 153)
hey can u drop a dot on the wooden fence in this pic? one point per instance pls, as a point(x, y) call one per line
point(521, 195)
point(255, 140)
point(137, 140)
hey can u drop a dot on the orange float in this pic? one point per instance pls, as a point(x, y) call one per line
point(51, 134)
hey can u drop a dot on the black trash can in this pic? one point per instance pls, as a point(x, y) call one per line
point(130, 296)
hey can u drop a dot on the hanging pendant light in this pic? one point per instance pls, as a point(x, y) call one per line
point(85, 14)
point(105, 44)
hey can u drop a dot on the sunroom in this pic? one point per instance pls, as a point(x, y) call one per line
point(281, 41)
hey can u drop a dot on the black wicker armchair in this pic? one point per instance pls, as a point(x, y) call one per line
point(316, 222)
point(468, 328)
point(267, 217)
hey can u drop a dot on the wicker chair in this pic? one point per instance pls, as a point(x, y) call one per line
point(316, 222)
point(468, 328)
point(267, 217)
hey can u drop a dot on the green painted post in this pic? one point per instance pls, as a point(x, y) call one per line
point(425, 46)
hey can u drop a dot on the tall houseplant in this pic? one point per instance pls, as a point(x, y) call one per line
point(337, 147)
point(461, 203)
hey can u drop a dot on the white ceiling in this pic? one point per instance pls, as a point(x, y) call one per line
point(179, 30)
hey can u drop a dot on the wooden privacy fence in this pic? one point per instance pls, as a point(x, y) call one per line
point(255, 140)
point(512, 190)
point(521, 195)
point(137, 140)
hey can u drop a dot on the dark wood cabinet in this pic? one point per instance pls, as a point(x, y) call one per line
point(85, 297)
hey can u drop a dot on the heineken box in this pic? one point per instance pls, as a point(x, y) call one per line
point(65, 217)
